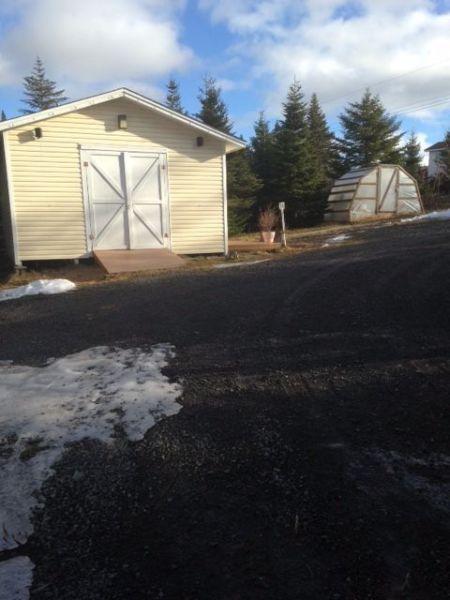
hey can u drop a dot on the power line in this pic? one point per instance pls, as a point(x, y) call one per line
point(418, 102)
point(383, 81)
point(411, 109)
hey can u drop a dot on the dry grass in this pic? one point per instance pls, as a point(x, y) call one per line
point(88, 273)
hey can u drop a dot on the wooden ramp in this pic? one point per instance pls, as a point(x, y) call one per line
point(129, 261)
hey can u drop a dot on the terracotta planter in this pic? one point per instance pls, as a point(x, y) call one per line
point(267, 237)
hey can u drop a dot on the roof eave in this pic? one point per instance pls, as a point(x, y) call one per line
point(232, 144)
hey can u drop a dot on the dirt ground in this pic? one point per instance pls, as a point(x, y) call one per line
point(87, 272)
point(311, 459)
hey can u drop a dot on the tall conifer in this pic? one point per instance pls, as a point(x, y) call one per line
point(262, 160)
point(321, 143)
point(40, 92)
point(173, 96)
point(213, 110)
point(370, 134)
point(242, 189)
point(323, 159)
point(412, 156)
point(292, 159)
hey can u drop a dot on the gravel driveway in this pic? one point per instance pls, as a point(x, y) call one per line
point(311, 458)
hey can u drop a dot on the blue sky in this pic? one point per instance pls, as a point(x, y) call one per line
point(401, 48)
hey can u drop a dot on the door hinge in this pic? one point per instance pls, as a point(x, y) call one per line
point(91, 236)
point(85, 164)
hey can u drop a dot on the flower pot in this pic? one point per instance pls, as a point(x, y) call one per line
point(267, 237)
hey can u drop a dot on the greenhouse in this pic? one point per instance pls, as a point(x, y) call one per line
point(374, 192)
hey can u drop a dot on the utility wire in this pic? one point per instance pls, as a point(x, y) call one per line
point(383, 81)
point(423, 107)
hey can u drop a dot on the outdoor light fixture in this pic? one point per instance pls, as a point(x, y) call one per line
point(122, 122)
point(200, 141)
point(37, 133)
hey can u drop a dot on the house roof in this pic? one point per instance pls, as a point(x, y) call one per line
point(232, 143)
point(437, 146)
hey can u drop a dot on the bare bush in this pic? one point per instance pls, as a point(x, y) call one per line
point(267, 220)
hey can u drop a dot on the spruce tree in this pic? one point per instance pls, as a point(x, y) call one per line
point(321, 143)
point(323, 158)
point(173, 97)
point(370, 134)
point(40, 92)
point(213, 109)
point(262, 161)
point(292, 158)
point(411, 156)
point(242, 189)
point(3, 117)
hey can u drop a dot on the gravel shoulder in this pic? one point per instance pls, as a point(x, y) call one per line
point(311, 458)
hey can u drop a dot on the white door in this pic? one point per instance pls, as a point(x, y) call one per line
point(388, 190)
point(127, 199)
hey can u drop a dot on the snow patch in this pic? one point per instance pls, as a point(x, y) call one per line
point(239, 264)
point(337, 239)
point(82, 395)
point(16, 576)
point(40, 286)
point(437, 215)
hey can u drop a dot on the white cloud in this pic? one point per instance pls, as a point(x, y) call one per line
point(337, 47)
point(88, 42)
point(424, 142)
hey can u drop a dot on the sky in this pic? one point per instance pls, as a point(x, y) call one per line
point(254, 48)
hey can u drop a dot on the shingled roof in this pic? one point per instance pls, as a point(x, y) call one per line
point(437, 146)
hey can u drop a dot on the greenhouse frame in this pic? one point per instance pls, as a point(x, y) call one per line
point(374, 192)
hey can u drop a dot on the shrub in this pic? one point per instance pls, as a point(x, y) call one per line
point(267, 220)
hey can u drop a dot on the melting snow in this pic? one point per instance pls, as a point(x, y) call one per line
point(337, 239)
point(437, 215)
point(86, 394)
point(40, 286)
point(15, 578)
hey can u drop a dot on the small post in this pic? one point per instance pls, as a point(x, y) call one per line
point(282, 206)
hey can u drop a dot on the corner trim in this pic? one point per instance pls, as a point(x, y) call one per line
point(12, 206)
point(225, 203)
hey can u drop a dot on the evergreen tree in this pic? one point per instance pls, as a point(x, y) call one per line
point(262, 161)
point(3, 116)
point(242, 189)
point(213, 109)
point(292, 159)
point(173, 97)
point(370, 134)
point(40, 93)
point(323, 156)
point(321, 143)
point(411, 156)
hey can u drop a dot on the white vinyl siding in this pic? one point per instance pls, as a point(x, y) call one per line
point(47, 182)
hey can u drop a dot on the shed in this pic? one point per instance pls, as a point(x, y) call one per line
point(373, 192)
point(115, 171)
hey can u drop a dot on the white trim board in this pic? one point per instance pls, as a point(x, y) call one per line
point(232, 143)
point(12, 206)
point(225, 204)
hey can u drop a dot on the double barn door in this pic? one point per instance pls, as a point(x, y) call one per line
point(127, 199)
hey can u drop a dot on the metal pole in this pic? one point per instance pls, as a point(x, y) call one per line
point(281, 206)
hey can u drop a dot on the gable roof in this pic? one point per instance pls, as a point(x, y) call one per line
point(437, 146)
point(232, 143)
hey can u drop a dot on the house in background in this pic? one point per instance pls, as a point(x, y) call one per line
point(116, 171)
point(434, 157)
